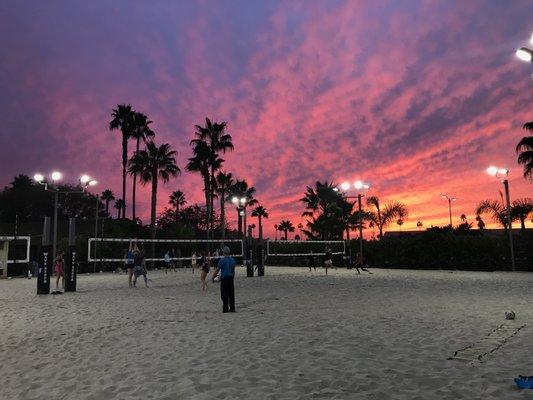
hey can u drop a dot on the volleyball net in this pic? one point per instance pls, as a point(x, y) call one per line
point(108, 250)
point(297, 252)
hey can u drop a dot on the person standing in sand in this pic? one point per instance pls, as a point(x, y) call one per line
point(59, 270)
point(167, 262)
point(311, 261)
point(204, 271)
point(140, 268)
point(193, 262)
point(226, 266)
point(328, 259)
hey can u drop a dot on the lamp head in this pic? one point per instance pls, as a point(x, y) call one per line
point(92, 182)
point(492, 171)
point(243, 200)
point(235, 200)
point(56, 176)
point(38, 178)
point(345, 186)
point(358, 185)
point(524, 54)
point(85, 179)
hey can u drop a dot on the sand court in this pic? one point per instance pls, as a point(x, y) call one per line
point(296, 335)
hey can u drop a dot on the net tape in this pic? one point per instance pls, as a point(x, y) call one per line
point(100, 241)
point(306, 244)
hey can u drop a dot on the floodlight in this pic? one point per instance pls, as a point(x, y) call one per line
point(56, 176)
point(38, 178)
point(358, 185)
point(345, 186)
point(524, 54)
point(85, 179)
point(503, 171)
point(492, 171)
point(92, 182)
point(243, 200)
point(234, 199)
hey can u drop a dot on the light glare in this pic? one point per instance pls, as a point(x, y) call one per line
point(38, 178)
point(234, 200)
point(345, 186)
point(93, 182)
point(358, 185)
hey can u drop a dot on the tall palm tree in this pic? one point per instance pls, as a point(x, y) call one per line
point(123, 120)
point(521, 209)
point(107, 196)
point(140, 131)
point(286, 227)
point(495, 209)
point(214, 135)
point(224, 183)
point(525, 148)
point(260, 212)
point(119, 205)
point(374, 201)
point(177, 199)
point(152, 164)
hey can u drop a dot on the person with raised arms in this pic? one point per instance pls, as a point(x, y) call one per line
point(226, 267)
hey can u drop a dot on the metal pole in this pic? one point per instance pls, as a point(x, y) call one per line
point(360, 226)
point(450, 207)
point(54, 245)
point(509, 222)
point(95, 234)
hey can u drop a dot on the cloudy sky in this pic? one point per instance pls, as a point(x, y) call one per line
point(415, 97)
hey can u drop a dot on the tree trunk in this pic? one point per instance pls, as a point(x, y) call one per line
point(107, 206)
point(134, 185)
point(522, 223)
point(380, 224)
point(239, 222)
point(207, 191)
point(153, 212)
point(286, 233)
point(124, 163)
point(260, 228)
point(222, 217)
point(177, 212)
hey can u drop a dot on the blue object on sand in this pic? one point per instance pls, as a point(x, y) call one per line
point(524, 382)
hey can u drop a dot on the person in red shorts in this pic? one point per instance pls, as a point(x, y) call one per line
point(59, 270)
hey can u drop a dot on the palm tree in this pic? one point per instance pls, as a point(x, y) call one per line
point(119, 205)
point(419, 225)
point(400, 223)
point(215, 138)
point(177, 200)
point(374, 201)
point(393, 210)
point(224, 183)
point(480, 223)
point(520, 210)
point(260, 212)
point(140, 131)
point(495, 209)
point(107, 196)
point(123, 120)
point(152, 164)
point(463, 218)
point(241, 189)
point(525, 148)
point(286, 227)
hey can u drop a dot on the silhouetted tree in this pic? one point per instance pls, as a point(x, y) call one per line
point(177, 200)
point(286, 227)
point(107, 196)
point(525, 150)
point(123, 119)
point(260, 212)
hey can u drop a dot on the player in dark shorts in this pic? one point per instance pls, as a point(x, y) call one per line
point(359, 264)
point(311, 261)
point(204, 268)
point(328, 262)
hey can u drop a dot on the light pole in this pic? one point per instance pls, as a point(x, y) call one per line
point(240, 204)
point(55, 177)
point(450, 199)
point(360, 187)
point(502, 174)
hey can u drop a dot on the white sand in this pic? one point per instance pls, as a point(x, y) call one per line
point(296, 335)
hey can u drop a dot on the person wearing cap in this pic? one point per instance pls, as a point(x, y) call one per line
point(226, 267)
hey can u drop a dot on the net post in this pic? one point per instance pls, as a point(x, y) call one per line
point(45, 260)
point(72, 261)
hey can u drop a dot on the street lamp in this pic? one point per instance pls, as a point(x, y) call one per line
point(360, 187)
point(240, 204)
point(503, 173)
point(450, 199)
point(55, 177)
point(524, 54)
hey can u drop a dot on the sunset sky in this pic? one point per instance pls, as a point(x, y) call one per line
point(417, 98)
